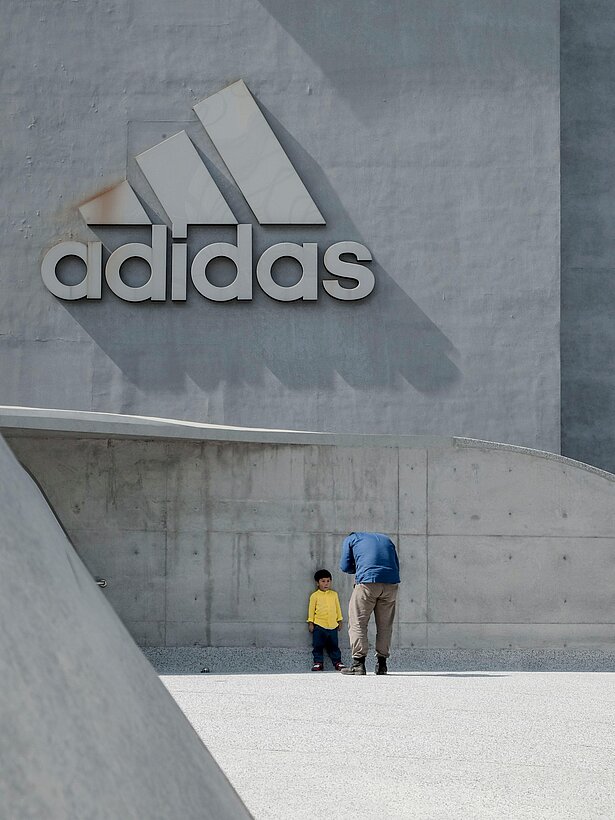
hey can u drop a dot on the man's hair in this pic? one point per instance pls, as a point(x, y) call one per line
point(321, 573)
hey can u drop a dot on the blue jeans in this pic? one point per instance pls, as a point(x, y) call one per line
point(325, 639)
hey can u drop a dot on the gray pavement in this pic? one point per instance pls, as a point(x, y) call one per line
point(410, 745)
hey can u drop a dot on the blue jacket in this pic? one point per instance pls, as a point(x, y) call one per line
point(371, 557)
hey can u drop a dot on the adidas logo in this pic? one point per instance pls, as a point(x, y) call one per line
point(189, 195)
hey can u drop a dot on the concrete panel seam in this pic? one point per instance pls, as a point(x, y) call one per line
point(520, 536)
point(398, 496)
point(427, 613)
point(517, 623)
point(166, 542)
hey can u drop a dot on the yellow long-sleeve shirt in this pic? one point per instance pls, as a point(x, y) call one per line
point(324, 609)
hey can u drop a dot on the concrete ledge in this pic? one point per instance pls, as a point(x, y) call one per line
point(28, 421)
point(189, 660)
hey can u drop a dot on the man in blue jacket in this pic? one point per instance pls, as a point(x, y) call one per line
point(372, 558)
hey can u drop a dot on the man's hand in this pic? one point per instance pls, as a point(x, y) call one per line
point(339, 625)
point(311, 627)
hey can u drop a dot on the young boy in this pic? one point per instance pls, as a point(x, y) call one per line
point(324, 619)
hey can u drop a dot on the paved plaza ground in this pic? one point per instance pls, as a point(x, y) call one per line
point(412, 744)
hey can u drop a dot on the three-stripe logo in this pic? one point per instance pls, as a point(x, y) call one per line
point(189, 195)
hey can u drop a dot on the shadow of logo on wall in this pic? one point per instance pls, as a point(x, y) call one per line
point(183, 351)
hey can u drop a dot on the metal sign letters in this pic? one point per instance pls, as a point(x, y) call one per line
point(189, 196)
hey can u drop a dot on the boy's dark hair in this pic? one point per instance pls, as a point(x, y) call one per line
point(321, 573)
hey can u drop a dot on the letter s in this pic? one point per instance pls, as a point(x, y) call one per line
point(348, 270)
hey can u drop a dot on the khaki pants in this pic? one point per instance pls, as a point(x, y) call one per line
point(365, 599)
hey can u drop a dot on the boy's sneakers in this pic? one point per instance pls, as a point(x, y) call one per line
point(338, 666)
point(318, 667)
point(381, 665)
point(357, 668)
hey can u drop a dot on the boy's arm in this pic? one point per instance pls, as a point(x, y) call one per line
point(311, 612)
point(338, 610)
point(347, 563)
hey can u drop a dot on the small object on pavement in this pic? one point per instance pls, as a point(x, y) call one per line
point(204, 669)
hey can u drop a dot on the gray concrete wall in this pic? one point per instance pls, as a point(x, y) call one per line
point(588, 235)
point(427, 131)
point(500, 547)
point(88, 730)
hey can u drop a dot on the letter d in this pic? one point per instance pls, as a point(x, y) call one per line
point(240, 254)
point(156, 286)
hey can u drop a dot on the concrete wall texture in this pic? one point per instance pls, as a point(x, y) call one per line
point(88, 730)
point(427, 131)
point(499, 547)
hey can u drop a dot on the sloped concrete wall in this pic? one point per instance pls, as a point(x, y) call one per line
point(215, 542)
point(87, 729)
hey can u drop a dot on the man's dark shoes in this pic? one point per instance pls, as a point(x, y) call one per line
point(318, 667)
point(338, 666)
point(357, 668)
point(381, 665)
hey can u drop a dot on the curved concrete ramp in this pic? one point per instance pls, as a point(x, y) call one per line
point(86, 728)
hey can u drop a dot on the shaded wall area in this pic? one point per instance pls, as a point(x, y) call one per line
point(88, 730)
point(215, 542)
point(588, 230)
